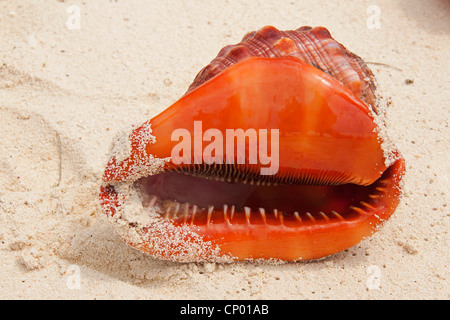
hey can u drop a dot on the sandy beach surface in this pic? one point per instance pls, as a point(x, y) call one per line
point(68, 85)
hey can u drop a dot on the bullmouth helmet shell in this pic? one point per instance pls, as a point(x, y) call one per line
point(267, 156)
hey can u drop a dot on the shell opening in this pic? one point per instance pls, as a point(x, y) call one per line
point(203, 200)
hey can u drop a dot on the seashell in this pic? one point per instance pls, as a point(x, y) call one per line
point(274, 152)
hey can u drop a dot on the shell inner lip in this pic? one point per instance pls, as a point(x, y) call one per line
point(187, 198)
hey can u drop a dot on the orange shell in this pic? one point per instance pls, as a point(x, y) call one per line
point(318, 94)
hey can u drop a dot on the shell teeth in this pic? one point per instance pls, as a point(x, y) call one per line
point(177, 207)
point(281, 218)
point(247, 211)
point(232, 179)
point(187, 213)
point(232, 212)
point(152, 201)
point(186, 210)
point(324, 216)
point(357, 209)
point(337, 215)
point(309, 215)
point(262, 212)
point(225, 213)
point(367, 205)
point(210, 211)
point(194, 211)
point(167, 212)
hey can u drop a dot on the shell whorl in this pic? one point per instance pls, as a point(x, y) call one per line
point(314, 46)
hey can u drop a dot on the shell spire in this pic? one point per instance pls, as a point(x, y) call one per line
point(314, 46)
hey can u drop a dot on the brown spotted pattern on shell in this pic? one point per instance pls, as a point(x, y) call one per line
point(312, 45)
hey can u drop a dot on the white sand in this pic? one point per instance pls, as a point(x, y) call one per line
point(65, 93)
